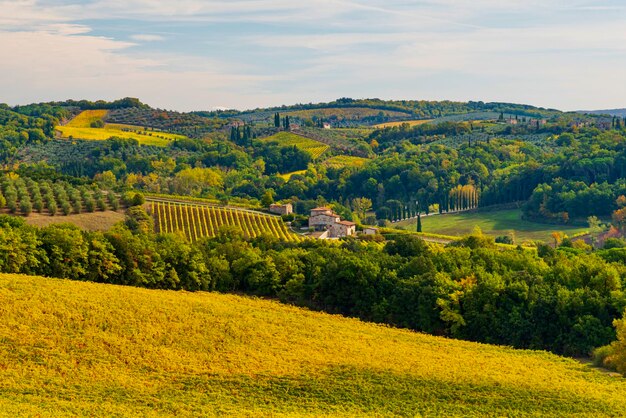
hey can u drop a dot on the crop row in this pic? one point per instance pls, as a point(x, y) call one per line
point(313, 147)
point(24, 196)
point(199, 221)
point(341, 161)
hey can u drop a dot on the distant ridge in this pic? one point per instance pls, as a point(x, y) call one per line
point(612, 112)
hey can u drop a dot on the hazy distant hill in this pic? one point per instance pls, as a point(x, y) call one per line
point(612, 112)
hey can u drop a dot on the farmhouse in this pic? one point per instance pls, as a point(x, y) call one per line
point(343, 229)
point(323, 219)
point(370, 230)
point(285, 209)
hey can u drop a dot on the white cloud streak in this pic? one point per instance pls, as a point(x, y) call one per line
point(550, 53)
point(147, 37)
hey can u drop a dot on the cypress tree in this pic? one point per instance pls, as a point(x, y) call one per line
point(419, 222)
point(277, 120)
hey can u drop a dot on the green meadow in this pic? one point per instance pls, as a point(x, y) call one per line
point(500, 222)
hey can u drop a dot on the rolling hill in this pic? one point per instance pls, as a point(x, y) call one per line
point(315, 148)
point(81, 128)
point(613, 112)
point(85, 349)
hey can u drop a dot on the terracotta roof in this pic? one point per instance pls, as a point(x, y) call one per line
point(321, 208)
point(347, 223)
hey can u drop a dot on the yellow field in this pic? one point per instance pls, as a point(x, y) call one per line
point(409, 122)
point(85, 118)
point(340, 161)
point(287, 176)
point(315, 148)
point(86, 349)
point(80, 128)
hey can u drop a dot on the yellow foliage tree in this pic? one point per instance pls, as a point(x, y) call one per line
point(617, 357)
point(194, 180)
point(557, 237)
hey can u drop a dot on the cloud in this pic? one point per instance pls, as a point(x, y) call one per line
point(147, 37)
point(209, 11)
point(249, 53)
point(52, 65)
point(26, 14)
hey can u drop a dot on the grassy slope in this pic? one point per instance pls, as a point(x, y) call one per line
point(340, 161)
point(76, 349)
point(94, 221)
point(287, 176)
point(80, 128)
point(495, 223)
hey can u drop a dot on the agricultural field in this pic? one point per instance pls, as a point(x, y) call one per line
point(188, 124)
point(496, 223)
point(466, 117)
point(341, 161)
point(287, 176)
point(399, 123)
point(94, 221)
point(352, 141)
point(540, 139)
point(85, 118)
point(26, 197)
point(199, 221)
point(353, 135)
point(73, 349)
point(315, 148)
point(81, 128)
point(81, 158)
point(348, 113)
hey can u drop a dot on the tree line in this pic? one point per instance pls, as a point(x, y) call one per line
point(562, 300)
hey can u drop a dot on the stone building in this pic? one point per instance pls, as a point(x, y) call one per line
point(324, 219)
point(285, 209)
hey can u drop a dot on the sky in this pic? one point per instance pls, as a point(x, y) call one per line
point(202, 55)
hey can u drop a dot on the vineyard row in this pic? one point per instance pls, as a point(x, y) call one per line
point(199, 221)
